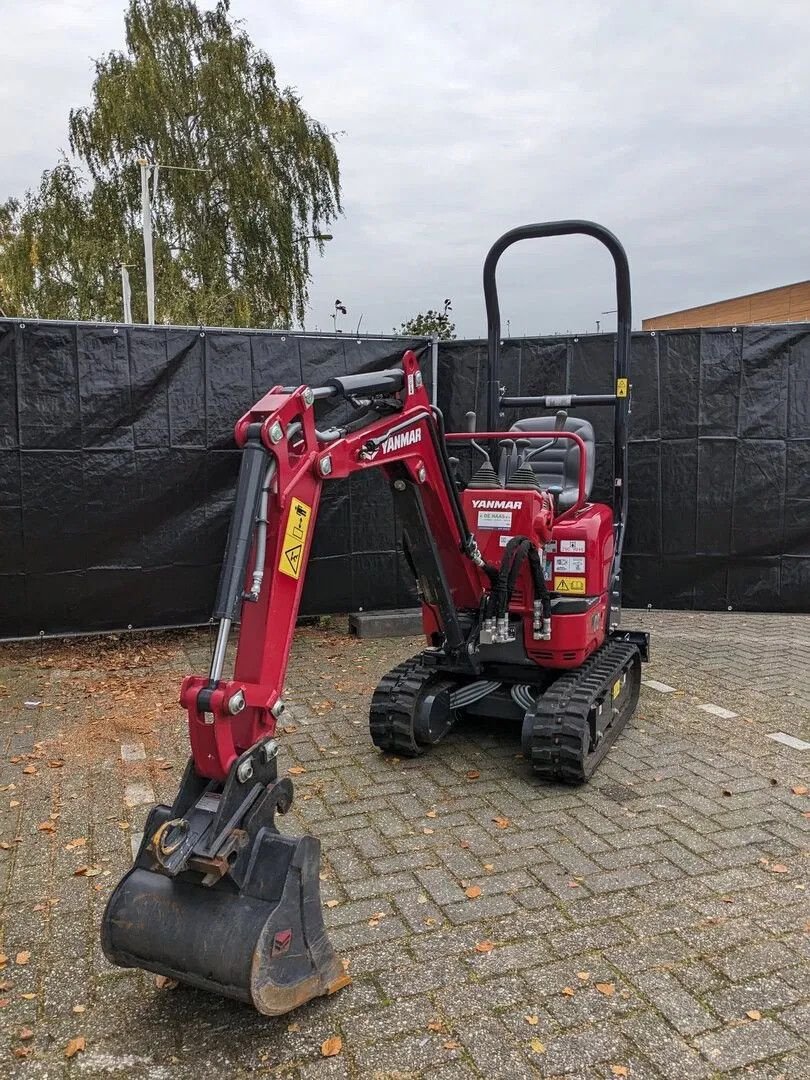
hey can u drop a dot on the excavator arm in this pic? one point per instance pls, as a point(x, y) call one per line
point(218, 897)
point(285, 463)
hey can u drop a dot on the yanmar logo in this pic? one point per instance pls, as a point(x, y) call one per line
point(497, 504)
point(395, 442)
point(402, 438)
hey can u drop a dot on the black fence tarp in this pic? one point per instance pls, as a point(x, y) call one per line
point(719, 454)
point(118, 465)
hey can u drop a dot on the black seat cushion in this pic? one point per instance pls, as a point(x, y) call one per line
point(557, 467)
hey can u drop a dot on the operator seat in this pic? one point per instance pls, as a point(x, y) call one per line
point(556, 468)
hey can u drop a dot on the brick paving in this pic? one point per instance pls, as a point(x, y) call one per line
point(652, 924)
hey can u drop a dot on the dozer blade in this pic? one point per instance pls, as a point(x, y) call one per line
point(247, 924)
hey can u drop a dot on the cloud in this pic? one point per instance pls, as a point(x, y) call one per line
point(683, 127)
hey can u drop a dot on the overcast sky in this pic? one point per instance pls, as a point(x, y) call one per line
point(683, 126)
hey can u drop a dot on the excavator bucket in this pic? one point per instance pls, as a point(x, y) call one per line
point(235, 910)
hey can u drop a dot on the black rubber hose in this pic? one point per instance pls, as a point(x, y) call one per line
point(501, 593)
point(541, 592)
point(517, 564)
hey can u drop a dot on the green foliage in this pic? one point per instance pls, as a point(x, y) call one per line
point(430, 323)
point(231, 240)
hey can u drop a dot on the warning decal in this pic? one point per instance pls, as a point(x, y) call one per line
point(569, 564)
point(295, 538)
point(570, 585)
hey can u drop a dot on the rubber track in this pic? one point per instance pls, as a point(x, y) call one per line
point(390, 717)
point(561, 733)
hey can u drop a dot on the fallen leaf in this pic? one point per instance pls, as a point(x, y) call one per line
point(46, 826)
point(332, 1047)
point(163, 982)
point(484, 946)
point(533, 1020)
point(799, 789)
point(464, 844)
point(30, 770)
point(331, 903)
point(436, 1025)
point(87, 871)
point(76, 842)
point(79, 1008)
point(727, 899)
point(26, 1033)
point(289, 729)
point(572, 884)
point(473, 892)
point(74, 1046)
point(428, 832)
point(13, 804)
point(4, 1002)
point(55, 764)
point(451, 1044)
point(502, 822)
point(538, 1046)
point(489, 867)
point(619, 1070)
point(583, 976)
point(28, 997)
point(298, 770)
point(295, 1026)
point(778, 868)
point(23, 957)
point(754, 1014)
point(432, 814)
point(3, 959)
point(605, 988)
point(22, 1051)
point(473, 774)
point(568, 991)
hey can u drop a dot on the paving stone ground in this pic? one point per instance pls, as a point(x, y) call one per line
point(652, 924)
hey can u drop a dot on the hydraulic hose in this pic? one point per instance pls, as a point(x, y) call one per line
point(541, 592)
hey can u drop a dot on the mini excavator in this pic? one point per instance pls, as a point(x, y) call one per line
point(519, 578)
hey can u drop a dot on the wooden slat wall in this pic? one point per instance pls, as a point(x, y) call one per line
point(788, 303)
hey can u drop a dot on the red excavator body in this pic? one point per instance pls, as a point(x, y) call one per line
point(519, 575)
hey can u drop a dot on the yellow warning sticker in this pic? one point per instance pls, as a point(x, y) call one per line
point(621, 388)
point(569, 585)
point(617, 688)
point(295, 538)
